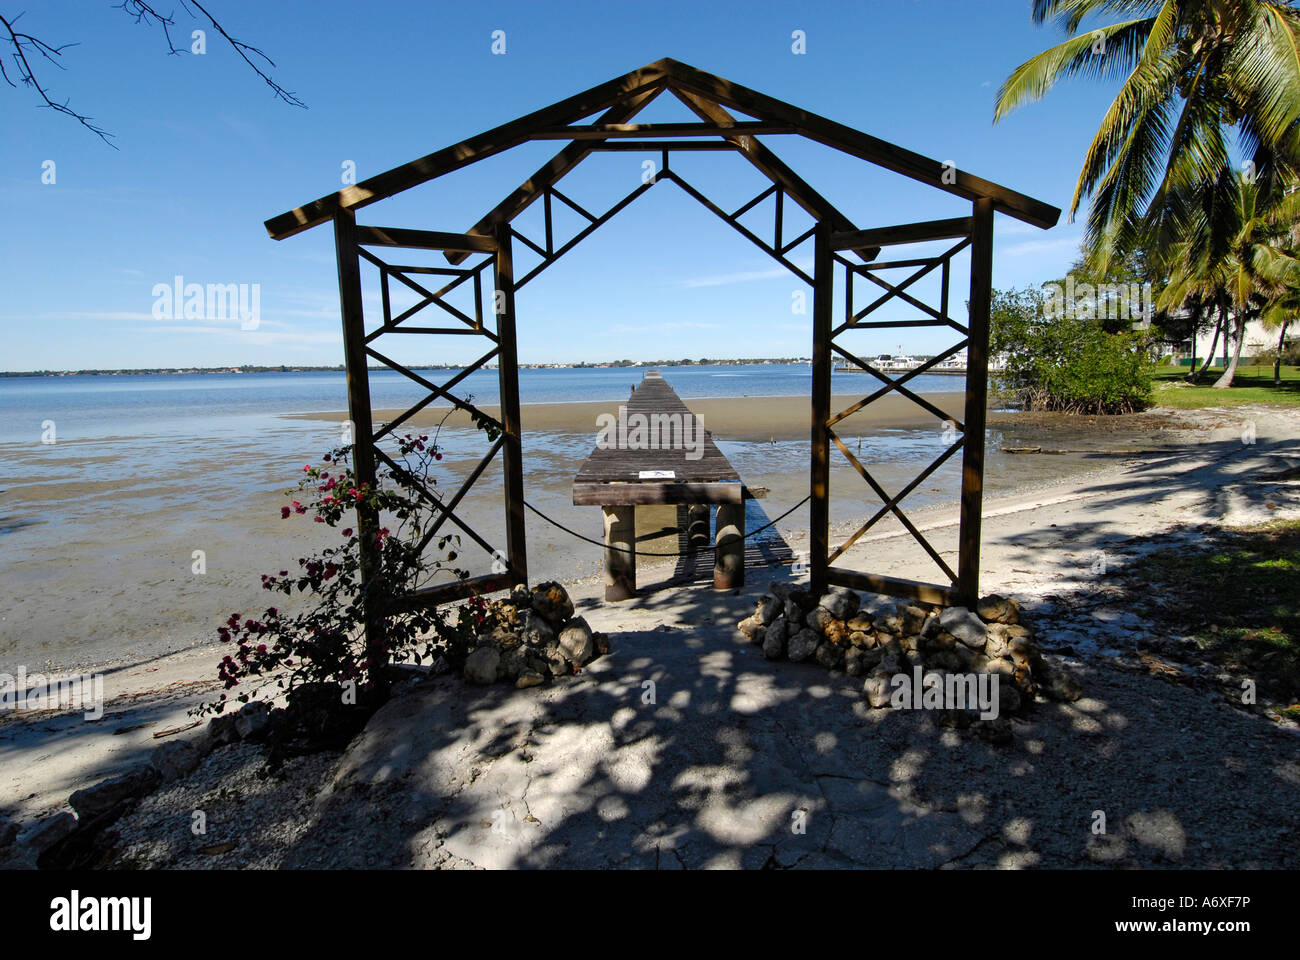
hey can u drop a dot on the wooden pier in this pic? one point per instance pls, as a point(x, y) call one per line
point(658, 452)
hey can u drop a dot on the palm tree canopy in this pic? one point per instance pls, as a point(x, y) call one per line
point(1196, 74)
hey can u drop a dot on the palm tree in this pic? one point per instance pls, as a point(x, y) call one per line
point(1194, 72)
point(1236, 253)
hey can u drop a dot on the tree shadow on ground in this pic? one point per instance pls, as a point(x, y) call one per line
point(685, 748)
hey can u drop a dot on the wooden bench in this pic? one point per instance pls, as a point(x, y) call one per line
point(672, 461)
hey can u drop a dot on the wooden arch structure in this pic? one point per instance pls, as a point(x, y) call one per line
point(839, 245)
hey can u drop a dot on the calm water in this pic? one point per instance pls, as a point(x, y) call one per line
point(161, 405)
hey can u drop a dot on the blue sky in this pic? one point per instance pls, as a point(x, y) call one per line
point(205, 155)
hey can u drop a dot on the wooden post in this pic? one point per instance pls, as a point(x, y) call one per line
point(620, 561)
point(729, 547)
point(819, 481)
point(697, 530)
point(977, 379)
point(508, 376)
point(363, 454)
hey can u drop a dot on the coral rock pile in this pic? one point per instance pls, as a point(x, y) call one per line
point(535, 637)
point(888, 639)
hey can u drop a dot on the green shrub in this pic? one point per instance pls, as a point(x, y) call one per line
point(1065, 363)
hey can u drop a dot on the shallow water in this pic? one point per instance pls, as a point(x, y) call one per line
point(99, 530)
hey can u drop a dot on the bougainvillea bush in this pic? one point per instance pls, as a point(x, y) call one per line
point(325, 645)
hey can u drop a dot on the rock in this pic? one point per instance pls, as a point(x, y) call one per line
point(948, 660)
point(513, 661)
point(994, 729)
point(534, 630)
point(90, 802)
point(1009, 701)
point(221, 731)
point(521, 596)
point(774, 644)
point(860, 622)
point(575, 641)
point(802, 645)
point(551, 600)
point(779, 629)
point(890, 619)
point(996, 646)
point(43, 834)
point(965, 626)
point(1056, 684)
point(860, 639)
point(529, 678)
point(556, 661)
point(841, 603)
point(481, 665)
point(175, 760)
point(8, 831)
point(931, 628)
point(998, 609)
point(750, 628)
point(859, 661)
point(781, 591)
point(817, 619)
point(877, 689)
point(253, 720)
point(602, 644)
point(793, 612)
point(507, 613)
point(837, 632)
point(913, 620)
point(768, 609)
point(829, 655)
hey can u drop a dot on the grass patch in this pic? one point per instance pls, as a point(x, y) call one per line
point(1239, 598)
point(1252, 384)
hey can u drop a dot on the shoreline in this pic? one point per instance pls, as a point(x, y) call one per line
point(753, 418)
point(1036, 544)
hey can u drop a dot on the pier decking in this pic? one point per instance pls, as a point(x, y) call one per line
point(658, 452)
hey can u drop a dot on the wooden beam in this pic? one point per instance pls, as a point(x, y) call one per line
point(658, 146)
point(891, 586)
point(359, 412)
point(480, 147)
point(641, 494)
point(600, 131)
point(508, 383)
point(858, 144)
point(423, 239)
point(554, 170)
point(820, 469)
point(773, 167)
point(903, 233)
point(977, 377)
point(449, 592)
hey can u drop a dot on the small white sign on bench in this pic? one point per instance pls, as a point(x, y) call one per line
point(657, 475)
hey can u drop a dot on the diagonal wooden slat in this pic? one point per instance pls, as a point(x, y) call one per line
point(556, 168)
point(894, 383)
point(902, 517)
point(898, 498)
point(915, 398)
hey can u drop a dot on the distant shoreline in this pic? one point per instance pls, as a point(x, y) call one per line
point(339, 368)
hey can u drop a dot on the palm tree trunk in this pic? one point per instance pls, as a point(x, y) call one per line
point(1277, 361)
point(1195, 375)
point(1225, 381)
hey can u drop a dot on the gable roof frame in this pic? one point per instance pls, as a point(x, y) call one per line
point(621, 99)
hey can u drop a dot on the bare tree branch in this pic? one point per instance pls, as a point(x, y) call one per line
point(22, 48)
point(20, 44)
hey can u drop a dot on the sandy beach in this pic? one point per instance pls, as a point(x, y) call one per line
point(1040, 543)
